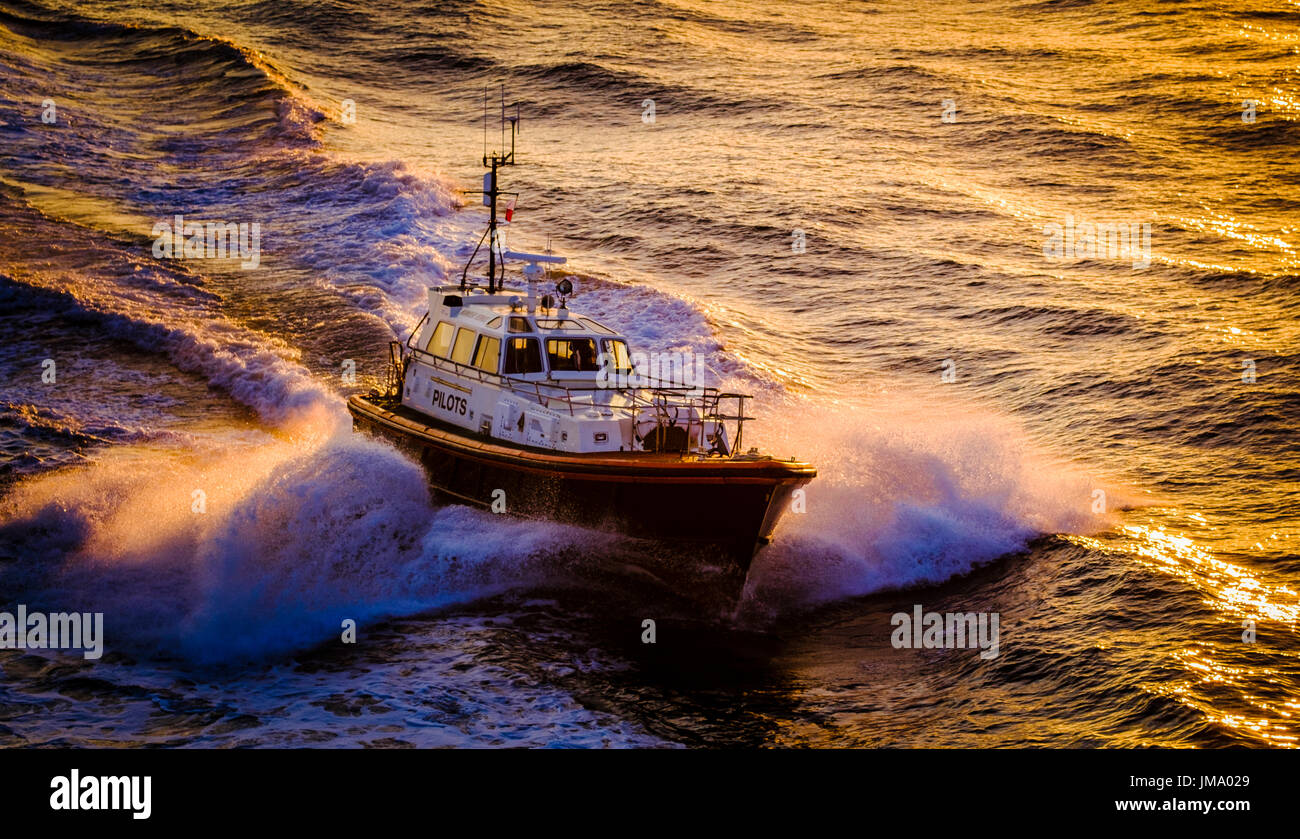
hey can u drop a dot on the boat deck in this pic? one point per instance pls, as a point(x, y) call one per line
point(612, 465)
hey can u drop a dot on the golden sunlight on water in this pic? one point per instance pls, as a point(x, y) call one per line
point(1207, 674)
point(1262, 706)
point(1228, 588)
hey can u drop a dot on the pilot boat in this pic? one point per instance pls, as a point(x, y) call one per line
point(516, 403)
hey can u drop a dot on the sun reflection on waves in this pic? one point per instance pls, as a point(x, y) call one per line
point(1265, 718)
point(1229, 588)
point(1233, 228)
point(1238, 687)
point(1232, 587)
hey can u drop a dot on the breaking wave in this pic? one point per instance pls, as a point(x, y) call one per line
point(914, 490)
point(236, 548)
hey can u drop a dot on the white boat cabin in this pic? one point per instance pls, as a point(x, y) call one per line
point(527, 371)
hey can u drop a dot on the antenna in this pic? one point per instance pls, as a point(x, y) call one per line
point(491, 190)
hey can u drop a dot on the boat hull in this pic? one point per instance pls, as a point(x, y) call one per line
point(728, 504)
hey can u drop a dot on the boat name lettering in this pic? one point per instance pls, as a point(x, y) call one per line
point(449, 402)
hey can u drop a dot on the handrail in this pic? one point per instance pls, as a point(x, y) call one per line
point(658, 396)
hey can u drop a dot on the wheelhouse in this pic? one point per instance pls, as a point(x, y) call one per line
point(526, 371)
point(502, 339)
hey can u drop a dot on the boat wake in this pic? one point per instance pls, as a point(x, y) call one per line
point(243, 547)
point(914, 490)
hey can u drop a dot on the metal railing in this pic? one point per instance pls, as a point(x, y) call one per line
point(706, 402)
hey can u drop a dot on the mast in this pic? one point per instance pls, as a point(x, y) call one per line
point(491, 190)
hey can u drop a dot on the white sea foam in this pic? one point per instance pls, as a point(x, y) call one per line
point(912, 489)
point(292, 539)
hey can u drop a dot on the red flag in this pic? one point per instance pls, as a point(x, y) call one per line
point(510, 209)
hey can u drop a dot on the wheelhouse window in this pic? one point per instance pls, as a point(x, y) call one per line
point(488, 353)
point(572, 355)
point(441, 340)
point(464, 346)
point(518, 324)
point(616, 352)
point(523, 355)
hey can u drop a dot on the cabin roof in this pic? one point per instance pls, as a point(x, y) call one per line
point(494, 315)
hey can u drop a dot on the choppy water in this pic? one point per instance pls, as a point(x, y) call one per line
point(924, 246)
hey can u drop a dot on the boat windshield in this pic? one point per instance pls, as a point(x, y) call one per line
point(572, 355)
point(616, 353)
point(522, 356)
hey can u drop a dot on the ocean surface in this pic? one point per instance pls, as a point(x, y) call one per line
point(1101, 452)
